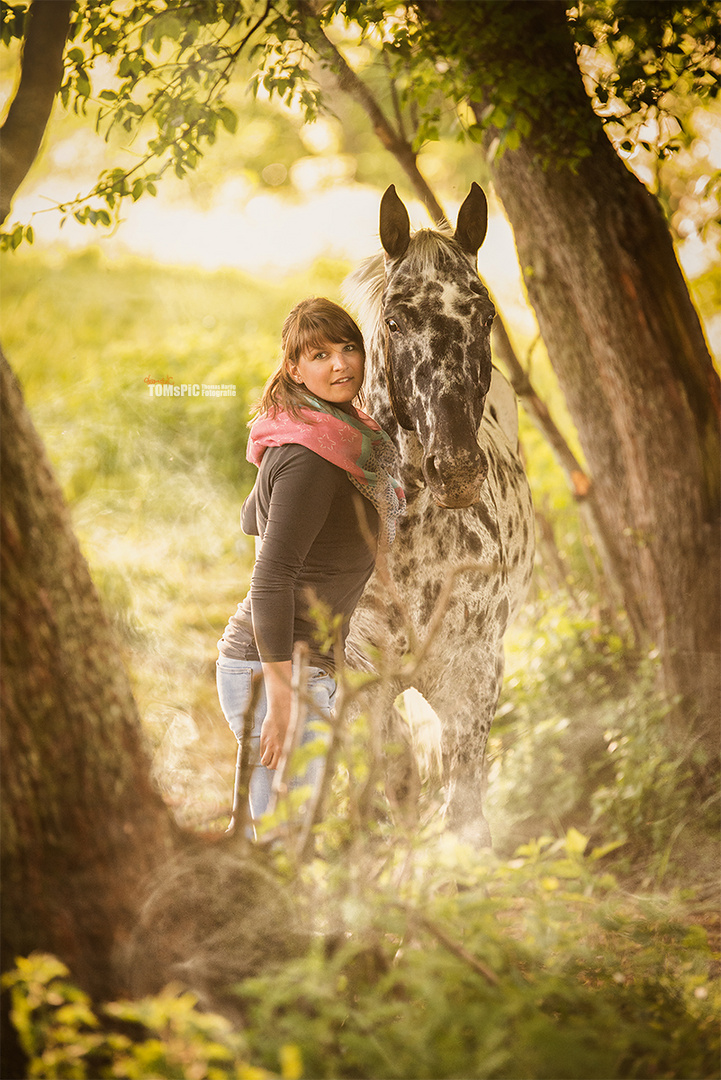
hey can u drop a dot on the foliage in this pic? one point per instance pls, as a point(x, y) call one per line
point(407, 931)
point(63, 1036)
point(171, 63)
point(688, 183)
point(647, 58)
point(160, 75)
point(582, 736)
point(641, 61)
point(445, 963)
point(426, 961)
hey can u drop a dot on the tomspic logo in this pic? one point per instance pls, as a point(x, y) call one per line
point(167, 387)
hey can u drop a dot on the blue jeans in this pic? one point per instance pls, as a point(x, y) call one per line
point(234, 680)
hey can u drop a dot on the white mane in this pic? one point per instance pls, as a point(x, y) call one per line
point(363, 289)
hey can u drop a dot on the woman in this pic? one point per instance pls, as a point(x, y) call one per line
point(314, 451)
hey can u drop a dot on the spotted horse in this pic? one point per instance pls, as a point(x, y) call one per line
point(431, 384)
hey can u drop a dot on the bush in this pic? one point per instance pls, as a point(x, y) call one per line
point(584, 738)
point(425, 961)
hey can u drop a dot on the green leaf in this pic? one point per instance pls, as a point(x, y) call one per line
point(228, 119)
point(575, 842)
point(82, 85)
point(606, 849)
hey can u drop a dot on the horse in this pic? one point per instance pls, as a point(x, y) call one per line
point(462, 559)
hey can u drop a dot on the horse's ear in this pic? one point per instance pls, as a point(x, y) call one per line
point(395, 225)
point(472, 220)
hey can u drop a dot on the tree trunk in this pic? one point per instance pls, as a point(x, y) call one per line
point(624, 339)
point(82, 824)
point(40, 80)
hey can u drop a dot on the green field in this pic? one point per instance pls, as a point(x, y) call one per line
point(155, 485)
point(594, 922)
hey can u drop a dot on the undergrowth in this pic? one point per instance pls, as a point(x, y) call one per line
point(585, 947)
point(423, 960)
point(584, 737)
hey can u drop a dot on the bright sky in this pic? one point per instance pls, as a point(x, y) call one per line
point(263, 232)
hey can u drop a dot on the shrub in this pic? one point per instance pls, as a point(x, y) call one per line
point(426, 961)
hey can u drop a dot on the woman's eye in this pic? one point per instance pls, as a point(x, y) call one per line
point(392, 326)
point(350, 347)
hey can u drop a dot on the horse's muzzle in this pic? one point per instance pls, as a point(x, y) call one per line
point(457, 484)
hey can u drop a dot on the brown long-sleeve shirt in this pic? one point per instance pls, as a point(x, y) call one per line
point(319, 542)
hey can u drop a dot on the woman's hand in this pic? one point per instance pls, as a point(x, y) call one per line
point(276, 677)
point(272, 737)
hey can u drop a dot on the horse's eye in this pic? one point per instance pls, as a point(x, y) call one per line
point(392, 326)
point(488, 321)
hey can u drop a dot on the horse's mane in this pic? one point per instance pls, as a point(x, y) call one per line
point(363, 289)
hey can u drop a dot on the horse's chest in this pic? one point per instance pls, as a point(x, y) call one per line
point(460, 547)
point(465, 572)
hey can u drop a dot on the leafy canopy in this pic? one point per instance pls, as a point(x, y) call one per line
point(158, 72)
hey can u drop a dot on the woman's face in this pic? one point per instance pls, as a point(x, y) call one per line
point(333, 372)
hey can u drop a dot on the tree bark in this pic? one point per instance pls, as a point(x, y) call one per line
point(624, 339)
point(40, 80)
point(82, 825)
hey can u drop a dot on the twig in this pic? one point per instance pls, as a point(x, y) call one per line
point(347, 80)
point(453, 947)
point(243, 768)
point(441, 607)
point(298, 713)
point(315, 809)
point(459, 951)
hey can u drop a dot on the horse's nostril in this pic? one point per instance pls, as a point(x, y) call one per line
point(430, 470)
point(440, 474)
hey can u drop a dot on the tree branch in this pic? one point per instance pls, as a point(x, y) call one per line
point(40, 80)
point(350, 83)
point(537, 409)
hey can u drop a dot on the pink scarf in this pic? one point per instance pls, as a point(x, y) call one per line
point(353, 441)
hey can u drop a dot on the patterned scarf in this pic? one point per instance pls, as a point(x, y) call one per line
point(351, 440)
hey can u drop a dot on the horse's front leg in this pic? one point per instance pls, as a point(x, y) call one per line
point(377, 643)
point(390, 758)
point(465, 708)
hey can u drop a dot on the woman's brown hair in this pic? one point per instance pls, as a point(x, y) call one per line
point(312, 323)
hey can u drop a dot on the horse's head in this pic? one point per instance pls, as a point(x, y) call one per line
point(438, 318)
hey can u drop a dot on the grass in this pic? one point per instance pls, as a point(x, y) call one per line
point(591, 980)
point(155, 485)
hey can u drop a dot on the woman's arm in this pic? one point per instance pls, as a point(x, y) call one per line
point(276, 676)
point(302, 491)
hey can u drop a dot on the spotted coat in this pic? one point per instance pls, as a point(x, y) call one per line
point(469, 529)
